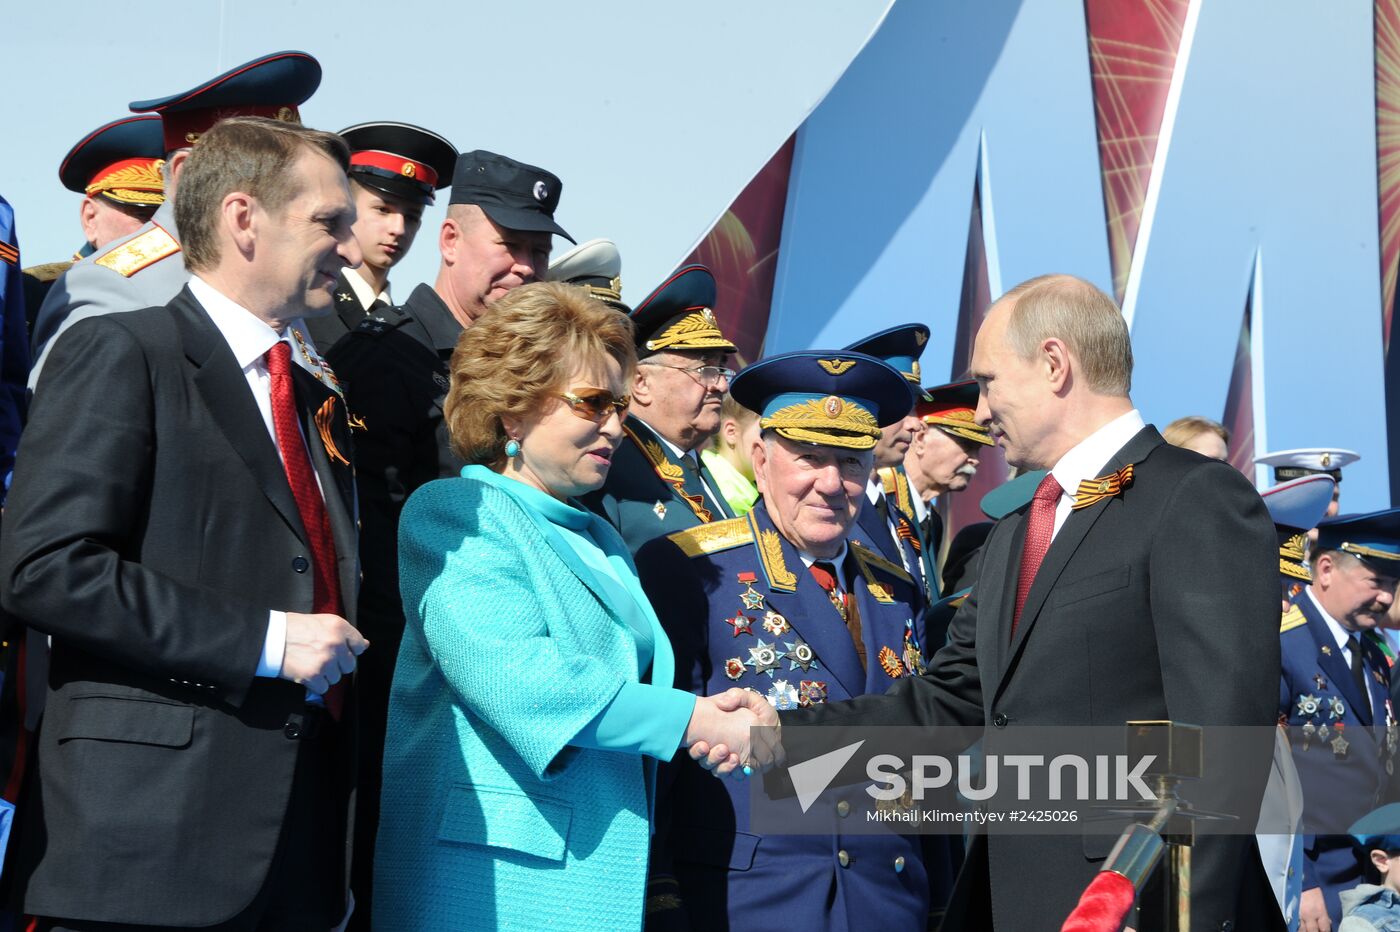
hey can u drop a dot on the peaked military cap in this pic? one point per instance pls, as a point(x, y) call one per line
point(400, 159)
point(1295, 507)
point(597, 266)
point(834, 398)
point(272, 86)
point(679, 315)
point(901, 347)
point(1373, 537)
point(120, 161)
point(952, 408)
point(514, 195)
point(1293, 464)
point(1012, 494)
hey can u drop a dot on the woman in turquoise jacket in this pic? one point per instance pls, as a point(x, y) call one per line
point(532, 697)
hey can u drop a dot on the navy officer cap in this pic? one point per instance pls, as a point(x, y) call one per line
point(833, 398)
point(271, 86)
point(120, 161)
point(901, 347)
point(1295, 507)
point(514, 195)
point(1374, 538)
point(400, 159)
point(679, 315)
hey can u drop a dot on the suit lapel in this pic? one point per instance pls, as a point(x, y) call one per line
point(1064, 545)
point(326, 430)
point(224, 388)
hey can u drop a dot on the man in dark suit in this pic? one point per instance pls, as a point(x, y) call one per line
point(181, 524)
point(1139, 583)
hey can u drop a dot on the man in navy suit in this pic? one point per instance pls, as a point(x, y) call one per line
point(785, 601)
point(1335, 694)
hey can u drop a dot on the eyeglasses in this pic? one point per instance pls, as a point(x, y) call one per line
point(706, 375)
point(594, 404)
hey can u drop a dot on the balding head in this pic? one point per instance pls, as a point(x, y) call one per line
point(1087, 320)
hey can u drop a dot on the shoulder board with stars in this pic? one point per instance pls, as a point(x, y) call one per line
point(139, 252)
point(380, 325)
point(712, 537)
point(872, 560)
point(1293, 618)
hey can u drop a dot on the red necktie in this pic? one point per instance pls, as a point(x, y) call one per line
point(825, 575)
point(1040, 527)
point(302, 479)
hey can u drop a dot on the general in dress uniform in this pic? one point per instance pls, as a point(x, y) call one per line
point(116, 168)
point(884, 526)
point(146, 269)
point(658, 483)
point(747, 602)
point(1334, 693)
point(395, 170)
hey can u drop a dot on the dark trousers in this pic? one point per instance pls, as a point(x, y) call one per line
point(305, 888)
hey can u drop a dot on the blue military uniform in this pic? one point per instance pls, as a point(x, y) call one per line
point(650, 490)
point(1343, 739)
point(742, 609)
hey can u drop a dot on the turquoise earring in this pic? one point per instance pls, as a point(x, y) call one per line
point(512, 448)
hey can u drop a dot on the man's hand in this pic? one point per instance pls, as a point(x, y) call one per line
point(1312, 912)
point(320, 650)
point(718, 735)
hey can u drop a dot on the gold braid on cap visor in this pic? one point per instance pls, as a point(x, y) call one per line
point(829, 421)
point(695, 329)
point(135, 182)
point(1290, 557)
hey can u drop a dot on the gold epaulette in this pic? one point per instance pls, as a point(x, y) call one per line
point(47, 272)
point(139, 252)
point(1293, 618)
point(873, 560)
point(713, 537)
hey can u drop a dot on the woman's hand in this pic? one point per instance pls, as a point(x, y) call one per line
point(718, 735)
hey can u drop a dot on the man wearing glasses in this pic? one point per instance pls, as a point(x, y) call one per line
point(658, 483)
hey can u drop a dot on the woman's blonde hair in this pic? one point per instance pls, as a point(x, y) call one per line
point(1183, 430)
point(519, 352)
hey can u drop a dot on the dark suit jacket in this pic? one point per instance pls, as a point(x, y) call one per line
point(1158, 603)
point(150, 530)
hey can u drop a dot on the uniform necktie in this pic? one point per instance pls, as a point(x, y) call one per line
point(1040, 528)
point(824, 573)
point(695, 477)
point(1358, 670)
point(310, 505)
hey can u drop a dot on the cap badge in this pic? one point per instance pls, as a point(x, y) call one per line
point(918, 373)
point(288, 115)
point(1326, 460)
point(836, 366)
point(833, 406)
point(541, 191)
point(408, 170)
point(920, 338)
point(709, 316)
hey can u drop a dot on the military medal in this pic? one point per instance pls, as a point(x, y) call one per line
point(1339, 743)
point(734, 668)
point(763, 658)
point(1309, 729)
point(752, 598)
point(810, 693)
point(913, 657)
point(776, 624)
point(1320, 681)
point(1322, 733)
point(316, 364)
point(890, 663)
point(741, 623)
point(1335, 707)
point(800, 654)
point(783, 696)
point(1326, 650)
point(1308, 705)
point(659, 509)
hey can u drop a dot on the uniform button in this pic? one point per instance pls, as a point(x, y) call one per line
point(300, 565)
point(292, 730)
point(899, 864)
point(999, 720)
point(843, 808)
point(843, 858)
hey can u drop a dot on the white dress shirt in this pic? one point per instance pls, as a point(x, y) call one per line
point(873, 490)
point(1346, 640)
point(364, 291)
point(249, 339)
point(1086, 458)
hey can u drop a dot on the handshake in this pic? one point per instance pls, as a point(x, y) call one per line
point(719, 735)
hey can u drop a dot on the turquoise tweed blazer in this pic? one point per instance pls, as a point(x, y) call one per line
point(489, 818)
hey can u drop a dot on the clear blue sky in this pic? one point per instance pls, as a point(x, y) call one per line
point(654, 114)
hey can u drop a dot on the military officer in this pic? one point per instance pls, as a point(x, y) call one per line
point(395, 168)
point(658, 483)
point(597, 266)
point(146, 269)
point(1334, 694)
point(497, 236)
point(785, 602)
point(1311, 461)
point(943, 457)
point(116, 168)
point(891, 530)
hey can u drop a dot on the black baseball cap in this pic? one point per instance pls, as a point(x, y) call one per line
point(514, 195)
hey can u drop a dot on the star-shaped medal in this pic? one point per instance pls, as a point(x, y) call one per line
point(763, 658)
point(1308, 705)
point(752, 599)
point(741, 623)
point(783, 696)
point(800, 654)
point(776, 624)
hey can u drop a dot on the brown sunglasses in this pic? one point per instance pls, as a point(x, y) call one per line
point(595, 404)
